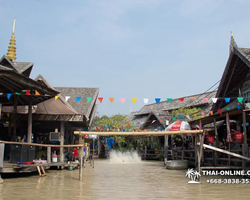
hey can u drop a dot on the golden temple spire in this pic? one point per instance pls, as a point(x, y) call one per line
point(11, 54)
point(232, 42)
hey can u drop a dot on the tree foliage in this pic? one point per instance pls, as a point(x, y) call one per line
point(184, 111)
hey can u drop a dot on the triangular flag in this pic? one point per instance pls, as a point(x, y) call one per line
point(240, 99)
point(8, 115)
point(18, 93)
point(28, 92)
point(238, 106)
point(67, 98)
point(211, 112)
point(169, 99)
point(100, 99)
point(122, 100)
point(195, 115)
point(181, 99)
point(89, 99)
point(8, 96)
point(157, 100)
point(111, 100)
point(220, 111)
point(160, 120)
point(227, 100)
point(174, 118)
point(187, 116)
point(153, 121)
point(78, 99)
point(193, 98)
point(56, 97)
point(134, 100)
point(228, 108)
point(181, 117)
point(46, 95)
point(145, 100)
point(214, 100)
point(37, 93)
point(203, 114)
point(205, 100)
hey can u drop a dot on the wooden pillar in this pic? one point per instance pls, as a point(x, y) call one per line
point(81, 141)
point(165, 148)
point(48, 155)
point(98, 145)
point(201, 151)
point(244, 146)
point(93, 152)
point(29, 121)
point(196, 150)
point(215, 157)
point(1, 158)
point(15, 117)
point(61, 142)
point(145, 152)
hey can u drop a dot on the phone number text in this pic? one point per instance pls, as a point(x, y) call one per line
point(229, 181)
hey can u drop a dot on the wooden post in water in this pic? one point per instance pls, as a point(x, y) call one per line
point(1, 158)
point(98, 146)
point(165, 148)
point(93, 152)
point(81, 141)
point(62, 142)
point(244, 146)
point(29, 121)
point(15, 118)
point(196, 151)
point(201, 151)
point(48, 155)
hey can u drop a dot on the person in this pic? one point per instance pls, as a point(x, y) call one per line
point(75, 155)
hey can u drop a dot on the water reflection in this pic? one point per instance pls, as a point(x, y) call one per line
point(145, 180)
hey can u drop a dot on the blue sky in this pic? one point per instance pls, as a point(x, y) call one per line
point(128, 48)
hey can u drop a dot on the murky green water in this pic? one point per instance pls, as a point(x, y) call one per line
point(146, 180)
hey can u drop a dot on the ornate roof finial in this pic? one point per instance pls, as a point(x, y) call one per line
point(11, 54)
point(232, 42)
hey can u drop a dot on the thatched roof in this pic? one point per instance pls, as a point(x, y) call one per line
point(82, 107)
point(20, 67)
point(235, 79)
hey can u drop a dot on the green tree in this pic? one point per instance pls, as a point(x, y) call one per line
point(184, 111)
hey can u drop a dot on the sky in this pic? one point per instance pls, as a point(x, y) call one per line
point(127, 48)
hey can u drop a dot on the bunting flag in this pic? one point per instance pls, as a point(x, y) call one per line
point(220, 111)
point(228, 108)
point(111, 100)
point(211, 112)
point(193, 98)
point(157, 100)
point(17, 93)
point(37, 93)
point(122, 100)
point(28, 92)
point(187, 116)
point(89, 99)
point(8, 96)
point(78, 99)
point(145, 100)
point(56, 97)
point(195, 115)
point(181, 117)
point(205, 100)
point(240, 99)
point(210, 138)
point(181, 99)
point(100, 99)
point(203, 114)
point(169, 99)
point(238, 107)
point(174, 118)
point(227, 100)
point(67, 98)
point(134, 100)
point(214, 100)
point(153, 121)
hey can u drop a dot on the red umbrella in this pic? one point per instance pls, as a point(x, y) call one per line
point(178, 126)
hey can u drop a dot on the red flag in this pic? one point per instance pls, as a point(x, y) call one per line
point(86, 136)
point(210, 138)
point(100, 99)
point(181, 99)
point(220, 111)
point(28, 92)
point(238, 136)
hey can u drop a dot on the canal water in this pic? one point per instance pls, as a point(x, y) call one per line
point(118, 180)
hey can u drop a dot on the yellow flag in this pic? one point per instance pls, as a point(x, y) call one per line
point(56, 97)
point(8, 115)
point(134, 100)
point(195, 115)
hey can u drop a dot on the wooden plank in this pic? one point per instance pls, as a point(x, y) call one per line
point(1, 155)
point(139, 133)
point(42, 145)
point(226, 152)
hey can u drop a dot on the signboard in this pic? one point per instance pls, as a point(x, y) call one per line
point(54, 136)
